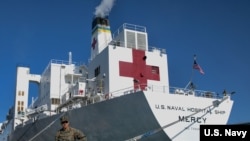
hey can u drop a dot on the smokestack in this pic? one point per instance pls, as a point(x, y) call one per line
point(101, 34)
point(102, 21)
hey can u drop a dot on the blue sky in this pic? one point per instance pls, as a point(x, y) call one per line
point(33, 32)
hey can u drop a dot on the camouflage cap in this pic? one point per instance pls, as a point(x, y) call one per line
point(64, 118)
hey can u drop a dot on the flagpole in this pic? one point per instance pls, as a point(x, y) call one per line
point(192, 75)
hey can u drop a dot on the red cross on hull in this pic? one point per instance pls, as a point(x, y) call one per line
point(139, 70)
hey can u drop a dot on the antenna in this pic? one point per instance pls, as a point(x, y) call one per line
point(70, 58)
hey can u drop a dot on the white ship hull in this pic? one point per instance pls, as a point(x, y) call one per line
point(144, 115)
point(181, 115)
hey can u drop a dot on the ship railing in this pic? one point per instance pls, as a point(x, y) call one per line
point(55, 61)
point(197, 93)
point(118, 43)
point(163, 89)
point(129, 27)
point(82, 79)
point(36, 110)
point(139, 87)
point(73, 91)
point(120, 92)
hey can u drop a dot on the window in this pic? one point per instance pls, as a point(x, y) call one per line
point(55, 101)
point(155, 70)
point(20, 93)
point(97, 71)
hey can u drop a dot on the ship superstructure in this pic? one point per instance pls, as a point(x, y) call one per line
point(121, 94)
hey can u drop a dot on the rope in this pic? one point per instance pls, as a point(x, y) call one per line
point(149, 133)
point(46, 127)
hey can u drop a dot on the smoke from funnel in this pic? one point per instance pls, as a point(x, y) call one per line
point(104, 8)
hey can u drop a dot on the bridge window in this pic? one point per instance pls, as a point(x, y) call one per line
point(55, 101)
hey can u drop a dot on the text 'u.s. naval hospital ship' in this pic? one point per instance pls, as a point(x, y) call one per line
point(122, 94)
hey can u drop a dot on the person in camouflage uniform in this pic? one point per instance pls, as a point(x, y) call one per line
point(67, 133)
